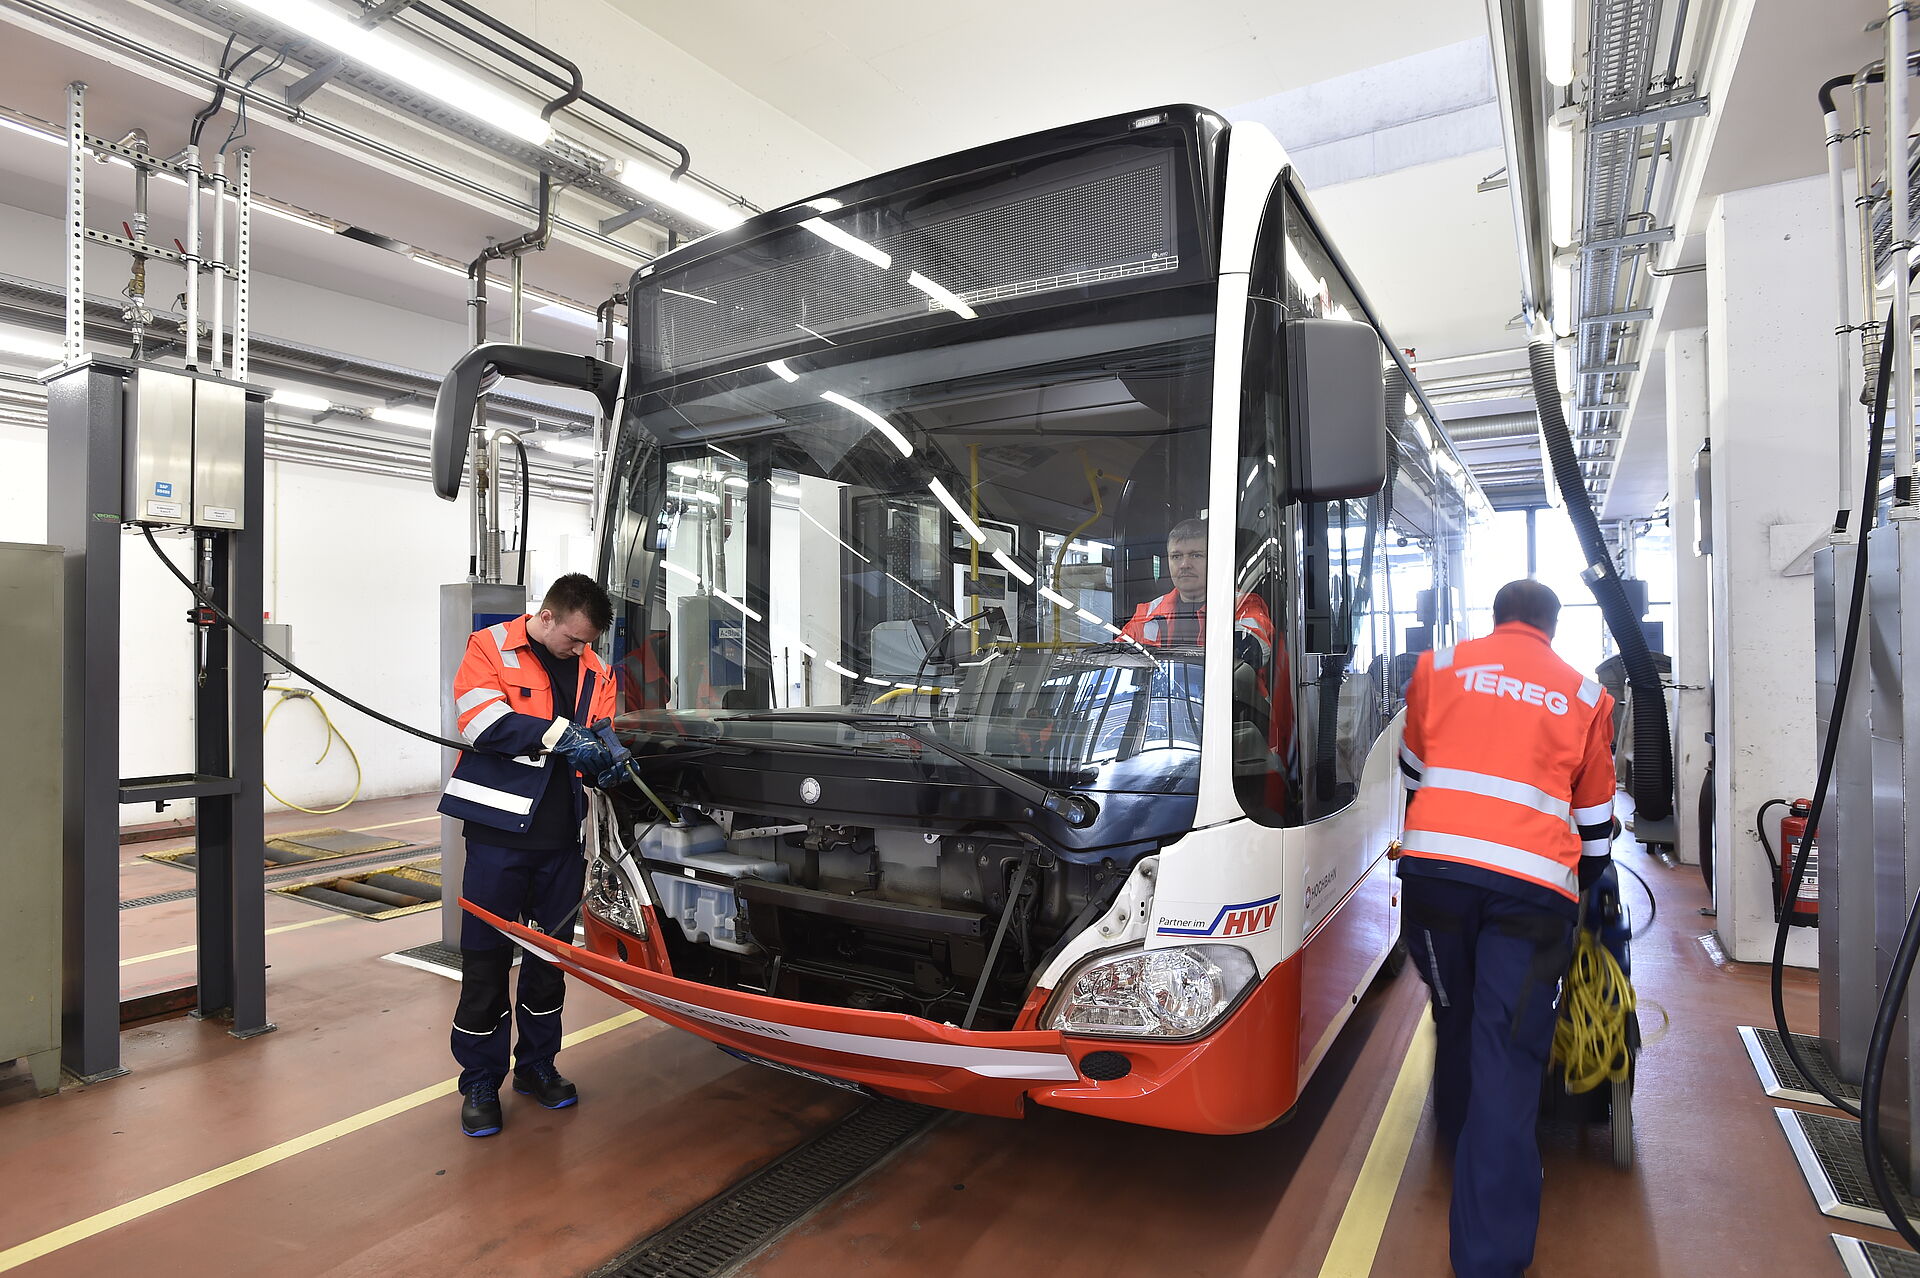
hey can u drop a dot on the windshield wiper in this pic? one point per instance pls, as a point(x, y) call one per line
point(1077, 810)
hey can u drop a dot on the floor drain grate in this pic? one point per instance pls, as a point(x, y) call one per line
point(724, 1231)
point(1778, 1076)
point(436, 956)
point(1875, 1260)
point(1828, 1150)
point(161, 898)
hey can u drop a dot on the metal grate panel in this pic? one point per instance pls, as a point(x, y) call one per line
point(1778, 1076)
point(1828, 1150)
point(726, 1230)
point(160, 898)
point(1875, 1260)
point(436, 956)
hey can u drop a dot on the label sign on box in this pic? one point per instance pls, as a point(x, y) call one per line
point(164, 509)
point(218, 514)
point(161, 488)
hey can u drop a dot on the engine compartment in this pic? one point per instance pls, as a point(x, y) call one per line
point(877, 917)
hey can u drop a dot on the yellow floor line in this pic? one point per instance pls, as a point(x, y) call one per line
point(1357, 1238)
point(80, 1230)
point(272, 931)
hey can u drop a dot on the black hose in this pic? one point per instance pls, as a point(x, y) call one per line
point(1705, 814)
point(208, 111)
point(205, 599)
point(1653, 902)
point(1766, 844)
point(1652, 746)
point(526, 509)
point(1830, 748)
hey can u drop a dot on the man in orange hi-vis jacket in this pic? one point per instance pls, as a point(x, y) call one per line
point(1509, 754)
point(527, 690)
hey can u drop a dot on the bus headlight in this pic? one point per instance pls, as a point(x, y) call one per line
point(609, 900)
point(1170, 993)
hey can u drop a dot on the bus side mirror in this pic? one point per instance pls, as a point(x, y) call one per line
point(478, 370)
point(1337, 418)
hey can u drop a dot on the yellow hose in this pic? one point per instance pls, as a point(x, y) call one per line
point(1590, 1039)
point(303, 694)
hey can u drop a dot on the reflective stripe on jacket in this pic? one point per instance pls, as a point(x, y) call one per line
point(1510, 755)
point(504, 708)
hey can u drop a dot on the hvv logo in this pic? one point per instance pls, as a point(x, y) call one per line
point(1246, 919)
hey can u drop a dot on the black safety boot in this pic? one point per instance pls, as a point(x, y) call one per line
point(480, 1109)
point(545, 1084)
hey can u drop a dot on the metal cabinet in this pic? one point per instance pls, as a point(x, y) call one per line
point(30, 771)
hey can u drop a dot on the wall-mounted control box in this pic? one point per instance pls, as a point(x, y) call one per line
point(185, 452)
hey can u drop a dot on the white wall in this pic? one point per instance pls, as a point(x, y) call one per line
point(354, 564)
point(1770, 320)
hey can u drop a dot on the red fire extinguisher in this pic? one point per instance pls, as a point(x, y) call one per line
point(1803, 910)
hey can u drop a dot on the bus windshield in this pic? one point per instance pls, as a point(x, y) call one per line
point(958, 530)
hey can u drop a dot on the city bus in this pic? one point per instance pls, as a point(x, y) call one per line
point(915, 493)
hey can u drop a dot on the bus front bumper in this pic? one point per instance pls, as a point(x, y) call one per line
point(1238, 1078)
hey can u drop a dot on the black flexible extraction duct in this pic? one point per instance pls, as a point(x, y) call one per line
point(1652, 744)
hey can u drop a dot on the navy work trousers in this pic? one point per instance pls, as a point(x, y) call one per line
point(1493, 963)
point(539, 887)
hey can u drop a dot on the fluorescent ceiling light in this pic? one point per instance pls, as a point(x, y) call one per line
point(1014, 570)
point(850, 243)
point(682, 197)
point(32, 347)
point(685, 471)
point(878, 683)
point(786, 374)
point(1055, 597)
point(945, 296)
point(301, 400)
point(380, 52)
point(1089, 616)
point(878, 422)
point(396, 415)
point(694, 297)
point(734, 481)
point(20, 126)
point(953, 508)
point(840, 670)
point(493, 281)
point(1560, 179)
point(787, 490)
point(678, 571)
point(288, 215)
point(572, 315)
point(1556, 41)
point(567, 447)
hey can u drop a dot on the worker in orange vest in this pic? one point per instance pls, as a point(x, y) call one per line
point(527, 691)
point(1178, 619)
point(1509, 754)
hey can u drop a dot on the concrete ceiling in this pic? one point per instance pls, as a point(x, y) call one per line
point(893, 83)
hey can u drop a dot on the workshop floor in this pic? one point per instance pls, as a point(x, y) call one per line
point(331, 1145)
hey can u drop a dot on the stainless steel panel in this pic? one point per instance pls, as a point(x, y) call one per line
point(159, 449)
point(464, 608)
point(1894, 571)
point(1849, 988)
point(31, 628)
point(219, 455)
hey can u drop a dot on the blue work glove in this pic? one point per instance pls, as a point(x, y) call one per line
point(583, 749)
point(618, 757)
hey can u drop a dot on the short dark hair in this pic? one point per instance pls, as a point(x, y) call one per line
point(1526, 600)
point(577, 592)
point(1187, 530)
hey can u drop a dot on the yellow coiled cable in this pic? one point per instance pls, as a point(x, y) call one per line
point(303, 694)
point(1590, 1043)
